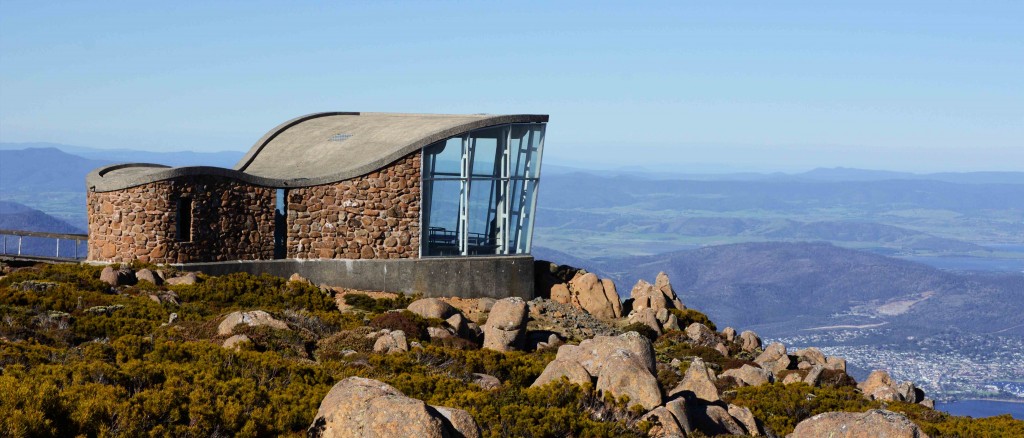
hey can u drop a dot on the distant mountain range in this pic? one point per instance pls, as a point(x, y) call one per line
point(822, 174)
point(225, 159)
point(775, 288)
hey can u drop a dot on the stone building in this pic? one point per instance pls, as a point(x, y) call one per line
point(434, 204)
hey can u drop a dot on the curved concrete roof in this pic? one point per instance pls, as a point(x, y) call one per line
point(318, 148)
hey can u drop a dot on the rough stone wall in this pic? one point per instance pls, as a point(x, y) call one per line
point(230, 221)
point(374, 216)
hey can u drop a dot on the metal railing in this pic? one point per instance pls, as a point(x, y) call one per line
point(17, 249)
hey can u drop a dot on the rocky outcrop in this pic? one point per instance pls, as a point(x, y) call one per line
point(183, 279)
point(594, 295)
point(506, 325)
point(749, 341)
point(119, 277)
point(559, 368)
point(873, 423)
point(361, 408)
point(699, 381)
point(879, 386)
point(774, 358)
point(647, 317)
point(432, 308)
point(624, 374)
point(659, 295)
point(252, 318)
point(700, 334)
point(746, 419)
point(748, 375)
point(236, 342)
point(591, 352)
point(622, 365)
point(587, 292)
point(150, 276)
point(391, 342)
point(664, 424)
point(486, 381)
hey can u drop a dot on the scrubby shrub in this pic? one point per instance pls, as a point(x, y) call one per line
point(835, 379)
point(643, 329)
point(331, 348)
point(690, 316)
point(245, 291)
point(781, 407)
point(414, 326)
point(367, 303)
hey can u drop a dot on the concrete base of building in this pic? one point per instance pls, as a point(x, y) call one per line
point(466, 277)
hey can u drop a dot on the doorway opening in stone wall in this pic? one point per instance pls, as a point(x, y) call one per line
point(281, 224)
point(183, 220)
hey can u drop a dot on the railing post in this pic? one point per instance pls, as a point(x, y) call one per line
point(76, 249)
point(19, 245)
point(58, 247)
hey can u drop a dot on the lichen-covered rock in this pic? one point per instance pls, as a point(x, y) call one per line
point(438, 333)
point(836, 363)
point(363, 408)
point(432, 308)
point(236, 342)
point(486, 381)
point(119, 277)
point(659, 295)
point(749, 375)
point(712, 419)
point(701, 334)
point(588, 294)
point(251, 318)
point(678, 408)
point(774, 358)
point(560, 293)
point(558, 368)
point(506, 325)
point(391, 342)
point(746, 419)
point(811, 355)
point(729, 334)
point(646, 316)
point(184, 279)
point(592, 352)
point(749, 341)
point(813, 377)
point(148, 275)
point(879, 386)
point(662, 284)
point(460, 422)
point(870, 424)
point(698, 380)
point(664, 423)
point(623, 373)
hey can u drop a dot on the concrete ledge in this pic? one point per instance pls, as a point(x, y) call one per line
point(466, 277)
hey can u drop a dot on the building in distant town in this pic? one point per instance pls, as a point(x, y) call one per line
point(436, 204)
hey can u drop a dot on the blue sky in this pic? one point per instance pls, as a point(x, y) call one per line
point(919, 86)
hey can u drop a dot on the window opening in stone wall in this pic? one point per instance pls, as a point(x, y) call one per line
point(184, 220)
point(281, 224)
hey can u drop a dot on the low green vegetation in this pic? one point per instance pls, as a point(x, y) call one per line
point(80, 358)
point(66, 370)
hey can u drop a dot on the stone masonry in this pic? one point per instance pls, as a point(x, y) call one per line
point(374, 216)
point(230, 221)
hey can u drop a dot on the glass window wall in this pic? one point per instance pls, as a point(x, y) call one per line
point(480, 190)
